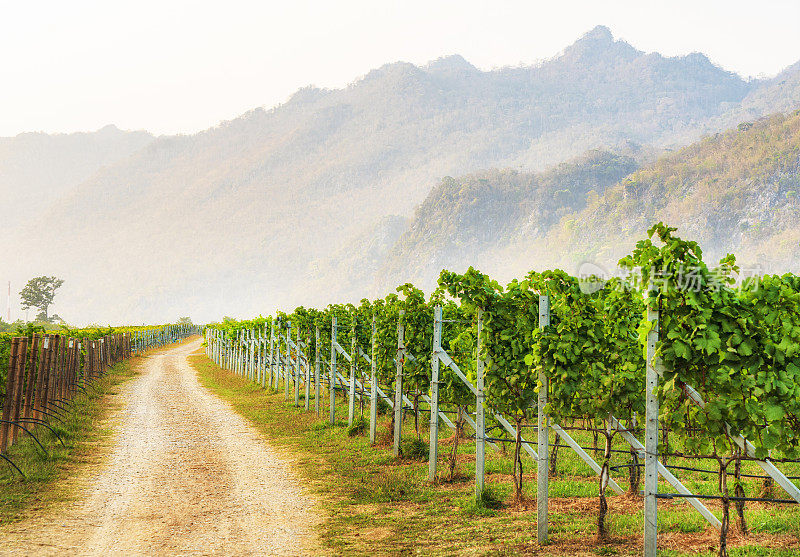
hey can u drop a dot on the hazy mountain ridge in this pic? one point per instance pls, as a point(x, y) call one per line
point(464, 218)
point(779, 94)
point(737, 191)
point(253, 211)
point(37, 168)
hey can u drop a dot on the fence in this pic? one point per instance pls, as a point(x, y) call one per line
point(46, 372)
point(256, 355)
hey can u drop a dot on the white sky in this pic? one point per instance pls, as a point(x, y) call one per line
point(174, 66)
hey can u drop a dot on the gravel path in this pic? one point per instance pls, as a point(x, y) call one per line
point(186, 475)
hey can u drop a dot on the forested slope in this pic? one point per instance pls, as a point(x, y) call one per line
point(737, 191)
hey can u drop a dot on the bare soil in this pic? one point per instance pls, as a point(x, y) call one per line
point(184, 475)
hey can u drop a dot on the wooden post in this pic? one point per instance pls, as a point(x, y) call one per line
point(71, 363)
point(480, 419)
point(542, 468)
point(19, 384)
point(76, 360)
point(61, 375)
point(10, 390)
point(82, 371)
point(398, 384)
point(651, 435)
point(30, 387)
point(51, 356)
point(433, 453)
point(332, 384)
point(373, 389)
point(53, 392)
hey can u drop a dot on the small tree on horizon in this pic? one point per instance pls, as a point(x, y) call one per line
point(39, 294)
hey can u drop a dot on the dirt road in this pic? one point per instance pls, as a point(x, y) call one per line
point(186, 475)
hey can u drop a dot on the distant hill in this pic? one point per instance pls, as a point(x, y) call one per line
point(252, 213)
point(779, 94)
point(36, 167)
point(737, 191)
point(463, 218)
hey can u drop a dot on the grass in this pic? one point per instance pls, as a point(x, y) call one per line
point(375, 503)
point(81, 431)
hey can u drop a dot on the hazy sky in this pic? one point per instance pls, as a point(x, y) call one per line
point(172, 67)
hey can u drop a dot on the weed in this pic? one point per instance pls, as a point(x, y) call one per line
point(414, 449)
point(357, 427)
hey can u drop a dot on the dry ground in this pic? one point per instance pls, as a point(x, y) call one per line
point(184, 474)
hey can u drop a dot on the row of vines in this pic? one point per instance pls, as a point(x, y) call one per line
point(733, 342)
point(45, 373)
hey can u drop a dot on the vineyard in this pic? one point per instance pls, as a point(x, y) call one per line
point(44, 373)
point(677, 378)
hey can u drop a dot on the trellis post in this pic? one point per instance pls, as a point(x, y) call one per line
point(317, 386)
point(249, 354)
point(373, 390)
point(231, 354)
point(262, 371)
point(433, 453)
point(287, 371)
point(254, 351)
point(235, 352)
point(480, 417)
point(297, 370)
point(239, 354)
point(271, 352)
point(651, 433)
point(351, 406)
point(308, 372)
point(542, 480)
point(398, 384)
point(332, 382)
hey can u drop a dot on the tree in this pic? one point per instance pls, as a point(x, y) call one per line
point(39, 294)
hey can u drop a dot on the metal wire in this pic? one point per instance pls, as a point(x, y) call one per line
point(730, 498)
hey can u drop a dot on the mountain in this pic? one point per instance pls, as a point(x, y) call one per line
point(464, 219)
point(37, 167)
point(779, 94)
point(736, 192)
point(247, 215)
